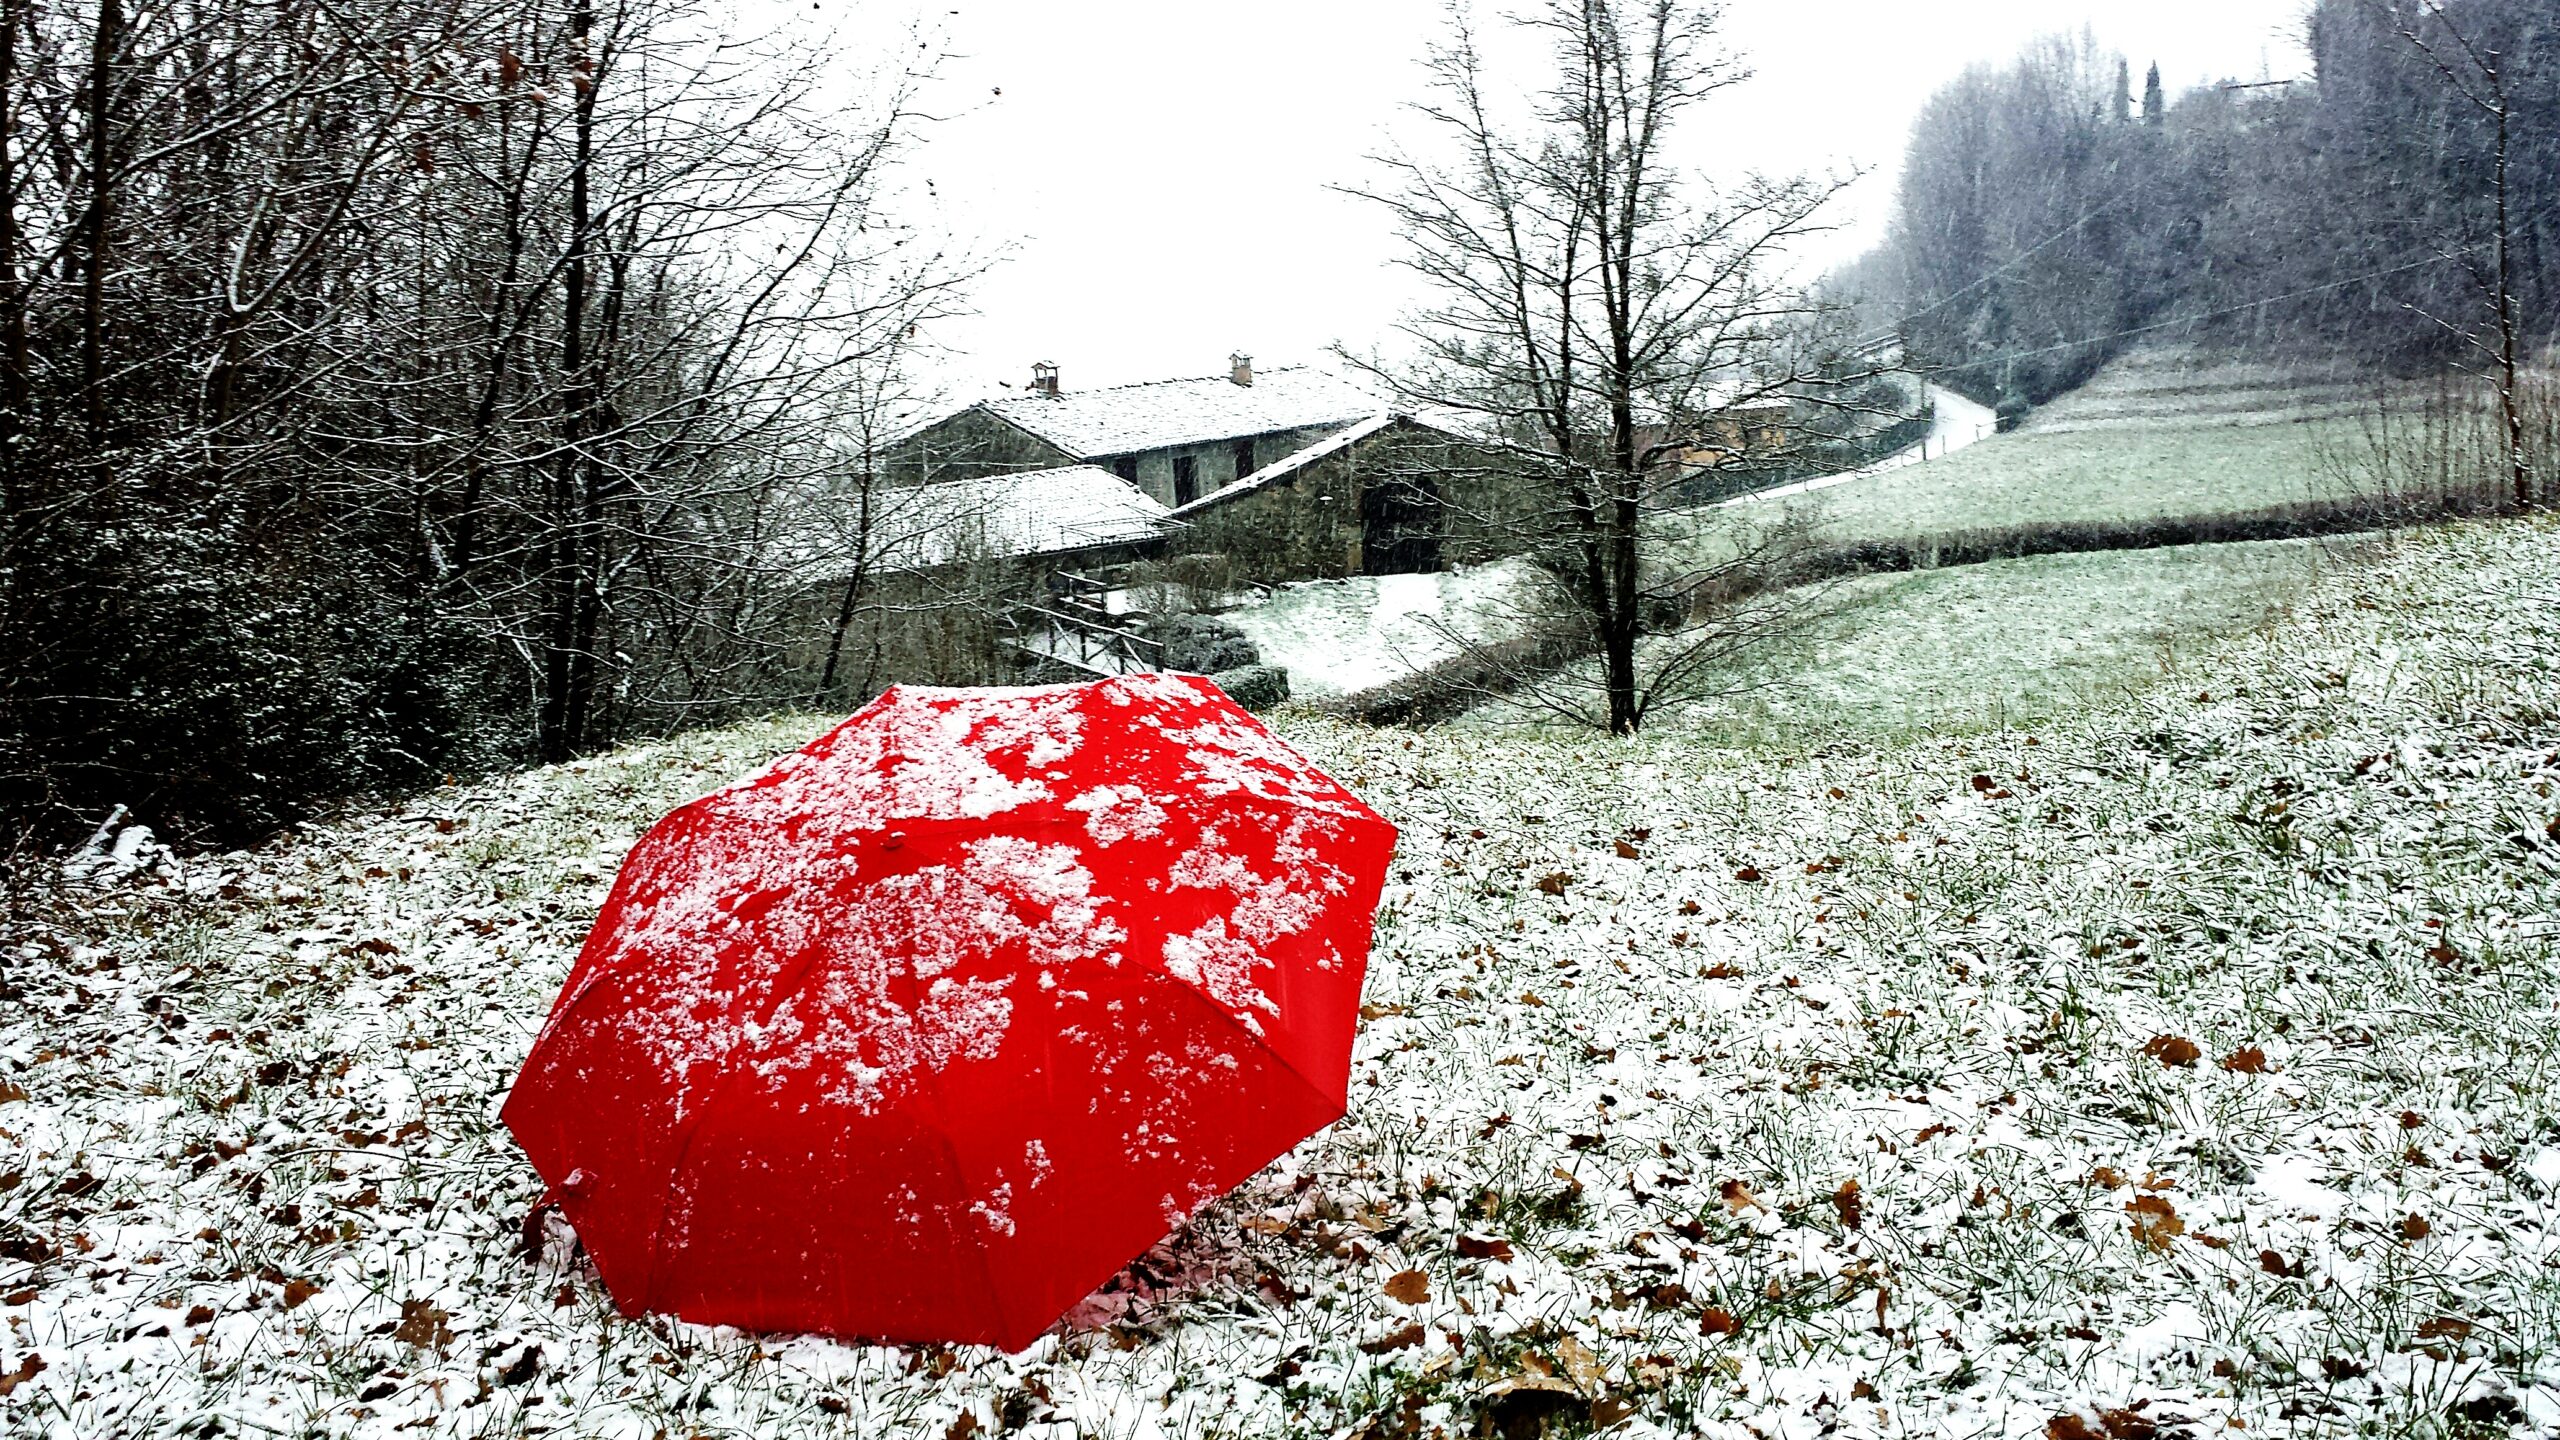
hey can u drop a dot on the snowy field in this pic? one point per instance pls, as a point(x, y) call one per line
point(2181, 1067)
point(2140, 473)
point(1976, 647)
point(2159, 434)
point(1338, 636)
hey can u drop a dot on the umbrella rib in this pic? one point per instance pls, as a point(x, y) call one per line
point(729, 1069)
point(1285, 1064)
point(951, 1156)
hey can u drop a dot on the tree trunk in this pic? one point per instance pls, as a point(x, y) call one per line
point(852, 590)
point(13, 301)
point(1624, 624)
point(2512, 402)
point(562, 726)
point(503, 336)
point(835, 634)
point(93, 291)
point(1619, 653)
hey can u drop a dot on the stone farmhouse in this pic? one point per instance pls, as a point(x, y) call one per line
point(1288, 474)
point(1036, 516)
point(1175, 440)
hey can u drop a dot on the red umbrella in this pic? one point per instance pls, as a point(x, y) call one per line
point(928, 1029)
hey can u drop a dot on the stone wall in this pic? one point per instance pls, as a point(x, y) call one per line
point(1214, 464)
point(969, 446)
point(973, 444)
point(1309, 525)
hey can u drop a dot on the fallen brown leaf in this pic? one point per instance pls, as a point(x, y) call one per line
point(422, 1324)
point(1580, 1365)
point(2174, 1051)
point(2155, 1221)
point(1400, 1339)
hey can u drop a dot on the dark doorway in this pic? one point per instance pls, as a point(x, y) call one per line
point(1399, 526)
point(1186, 479)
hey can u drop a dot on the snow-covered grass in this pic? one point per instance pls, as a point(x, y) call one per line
point(1338, 636)
point(2164, 433)
point(2192, 1053)
point(2150, 472)
point(2185, 385)
point(1986, 646)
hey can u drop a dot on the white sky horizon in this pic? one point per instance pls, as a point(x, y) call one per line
point(1155, 178)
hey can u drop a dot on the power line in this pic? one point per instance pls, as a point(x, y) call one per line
point(1989, 276)
point(2013, 263)
point(2183, 321)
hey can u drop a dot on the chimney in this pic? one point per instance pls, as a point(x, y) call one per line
point(1240, 369)
point(1044, 379)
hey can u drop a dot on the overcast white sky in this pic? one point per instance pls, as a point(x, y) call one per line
point(1157, 170)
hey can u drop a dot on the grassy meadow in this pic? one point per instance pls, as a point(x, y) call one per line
point(2188, 1056)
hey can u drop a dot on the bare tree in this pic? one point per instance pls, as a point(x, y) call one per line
point(2475, 72)
point(863, 534)
point(1613, 320)
point(396, 386)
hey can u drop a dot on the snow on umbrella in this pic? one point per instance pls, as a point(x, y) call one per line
point(931, 1027)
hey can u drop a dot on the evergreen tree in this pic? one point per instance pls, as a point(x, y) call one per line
point(2124, 90)
point(2155, 106)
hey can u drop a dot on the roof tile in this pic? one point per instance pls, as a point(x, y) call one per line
point(1126, 419)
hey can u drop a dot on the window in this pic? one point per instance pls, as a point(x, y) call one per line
point(1244, 458)
point(1186, 479)
point(1126, 467)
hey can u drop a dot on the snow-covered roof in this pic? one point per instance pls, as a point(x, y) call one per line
point(1125, 419)
point(1291, 464)
point(1029, 512)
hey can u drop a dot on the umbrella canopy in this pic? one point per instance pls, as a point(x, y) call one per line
point(930, 1028)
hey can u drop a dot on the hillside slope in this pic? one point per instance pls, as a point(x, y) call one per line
point(1972, 647)
point(2186, 387)
point(2194, 1054)
point(2163, 433)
